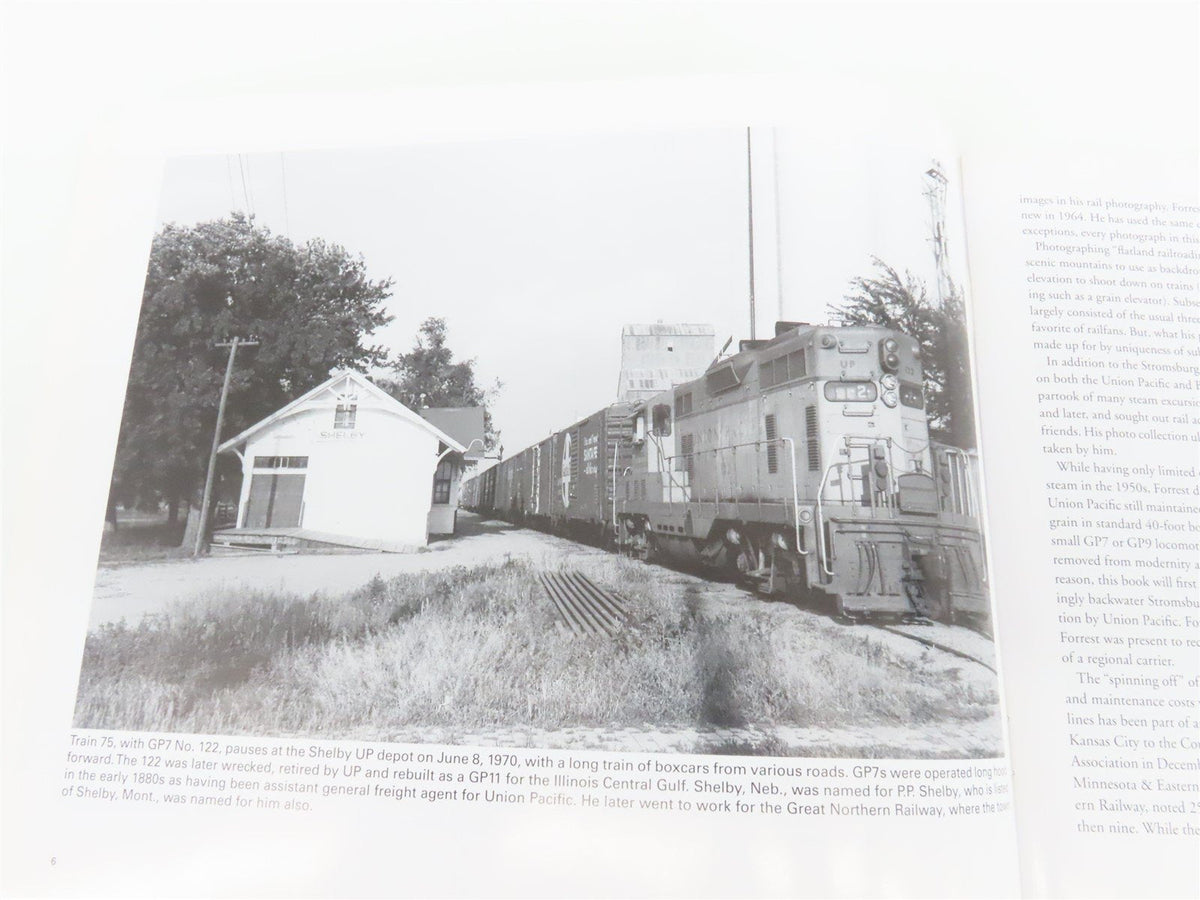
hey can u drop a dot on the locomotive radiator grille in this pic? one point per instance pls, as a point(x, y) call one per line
point(814, 448)
point(772, 451)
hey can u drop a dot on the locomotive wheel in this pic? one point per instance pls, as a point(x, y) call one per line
point(839, 612)
point(654, 553)
point(930, 603)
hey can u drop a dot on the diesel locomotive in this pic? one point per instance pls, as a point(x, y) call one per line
point(802, 464)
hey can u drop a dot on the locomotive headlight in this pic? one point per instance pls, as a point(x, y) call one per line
point(891, 390)
point(806, 516)
point(890, 345)
point(828, 341)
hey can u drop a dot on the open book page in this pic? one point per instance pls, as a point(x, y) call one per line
point(740, 641)
point(97, 106)
point(1086, 275)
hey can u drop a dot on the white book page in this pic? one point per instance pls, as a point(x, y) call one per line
point(687, 823)
point(96, 110)
point(1087, 318)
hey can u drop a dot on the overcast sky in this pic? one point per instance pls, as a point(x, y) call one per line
point(537, 252)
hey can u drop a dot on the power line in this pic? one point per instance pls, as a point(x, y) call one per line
point(229, 172)
point(750, 227)
point(778, 223)
point(287, 225)
point(242, 165)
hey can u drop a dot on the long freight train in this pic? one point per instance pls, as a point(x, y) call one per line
point(802, 463)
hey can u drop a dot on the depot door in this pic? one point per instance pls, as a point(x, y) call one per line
point(275, 501)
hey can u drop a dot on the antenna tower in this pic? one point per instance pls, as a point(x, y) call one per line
point(935, 191)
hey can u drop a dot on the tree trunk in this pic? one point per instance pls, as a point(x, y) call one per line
point(173, 510)
point(110, 514)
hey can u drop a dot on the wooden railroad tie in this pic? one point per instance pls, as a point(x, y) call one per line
point(582, 606)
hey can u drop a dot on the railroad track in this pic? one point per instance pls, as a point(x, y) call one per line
point(583, 606)
point(937, 645)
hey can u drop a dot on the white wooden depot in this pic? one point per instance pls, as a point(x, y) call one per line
point(345, 459)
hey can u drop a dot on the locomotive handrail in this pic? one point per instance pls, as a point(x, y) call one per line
point(616, 456)
point(663, 466)
point(867, 441)
point(964, 477)
point(791, 445)
point(819, 522)
point(969, 506)
point(795, 495)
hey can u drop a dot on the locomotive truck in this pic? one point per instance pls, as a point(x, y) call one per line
point(802, 464)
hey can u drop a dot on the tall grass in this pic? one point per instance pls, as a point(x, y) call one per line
point(476, 647)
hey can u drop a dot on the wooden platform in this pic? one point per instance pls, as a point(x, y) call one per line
point(297, 540)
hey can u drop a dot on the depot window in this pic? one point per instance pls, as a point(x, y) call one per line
point(442, 479)
point(345, 415)
point(281, 462)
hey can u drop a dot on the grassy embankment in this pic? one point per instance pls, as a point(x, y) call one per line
point(471, 648)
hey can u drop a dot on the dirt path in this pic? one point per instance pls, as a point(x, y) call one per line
point(131, 591)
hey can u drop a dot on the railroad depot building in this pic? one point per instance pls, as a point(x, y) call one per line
point(465, 424)
point(348, 464)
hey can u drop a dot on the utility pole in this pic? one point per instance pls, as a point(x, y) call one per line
point(750, 226)
point(205, 504)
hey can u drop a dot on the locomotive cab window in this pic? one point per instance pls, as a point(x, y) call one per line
point(662, 420)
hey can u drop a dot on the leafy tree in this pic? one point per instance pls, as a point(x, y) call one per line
point(429, 376)
point(941, 329)
point(311, 307)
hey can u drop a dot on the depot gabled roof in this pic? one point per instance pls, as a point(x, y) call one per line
point(360, 381)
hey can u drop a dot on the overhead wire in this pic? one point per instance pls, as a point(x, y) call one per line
point(229, 172)
point(287, 225)
point(243, 164)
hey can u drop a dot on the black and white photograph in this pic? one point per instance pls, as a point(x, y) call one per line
point(640, 441)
